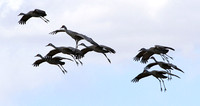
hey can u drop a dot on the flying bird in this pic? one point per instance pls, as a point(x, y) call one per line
point(145, 54)
point(35, 13)
point(99, 49)
point(160, 75)
point(167, 66)
point(75, 35)
point(54, 61)
point(73, 52)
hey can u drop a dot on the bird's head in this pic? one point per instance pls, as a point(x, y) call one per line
point(38, 55)
point(63, 26)
point(50, 44)
point(21, 14)
point(142, 49)
point(82, 44)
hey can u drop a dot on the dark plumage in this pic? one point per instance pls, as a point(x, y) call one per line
point(35, 13)
point(76, 36)
point(145, 54)
point(157, 74)
point(166, 66)
point(99, 49)
point(54, 61)
point(75, 53)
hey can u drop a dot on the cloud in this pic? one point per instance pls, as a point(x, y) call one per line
point(8, 6)
point(125, 25)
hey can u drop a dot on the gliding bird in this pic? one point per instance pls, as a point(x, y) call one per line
point(54, 61)
point(73, 52)
point(167, 66)
point(99, 49)
point(35, 13)
point(76, 36)
point(145, 54)
point(157, 74)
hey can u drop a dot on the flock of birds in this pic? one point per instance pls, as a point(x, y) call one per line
point(143, 56)
point(74, 52)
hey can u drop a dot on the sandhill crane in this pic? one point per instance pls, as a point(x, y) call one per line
point(167, 66)
point(35, 13)
point(75, 53)
point(100, 49)
point(157, 74)
point(145, 54)
point(76, 36)
point(54, 61)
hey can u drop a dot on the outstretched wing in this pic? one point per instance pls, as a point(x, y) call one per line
point(89, 39)
point(52, 53)
point(175, 67)
point(164, 47)
point(38, 62)
point(58, 58)
point(85, 50)
point(165, 72)
point(56, 31)
point(139, 55)
point(146, 56)
point(109, 49)
point(24, 19)
point(150, 65)
point(140, 76)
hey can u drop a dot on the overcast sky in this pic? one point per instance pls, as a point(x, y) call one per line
point(124, 25)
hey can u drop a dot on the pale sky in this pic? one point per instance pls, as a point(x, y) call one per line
point(124, 25)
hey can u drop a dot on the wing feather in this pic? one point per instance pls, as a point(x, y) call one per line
point(24, 19)
point(140, 76)
point(139, 55)
point(56, 31)
point(38, 62)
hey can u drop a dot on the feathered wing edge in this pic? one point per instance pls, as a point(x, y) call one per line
point(170, 74)
point(140, 76)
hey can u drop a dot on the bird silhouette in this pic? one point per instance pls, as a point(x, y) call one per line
point(167, 66)
point(73, 52)
point(75, 35)
point(99, 49)
point(145, 54)
point(35, 13)
point(54, 61)
point(160, 75)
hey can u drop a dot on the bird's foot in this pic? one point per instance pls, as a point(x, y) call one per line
point(109, 61)
point(77, 63)
point(65, 71)
point(81, 63)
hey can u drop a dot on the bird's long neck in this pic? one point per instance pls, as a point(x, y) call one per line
point(54, 46)
point(85, 46)
point(21, 14)
point(66, 30)
point(40, 56)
